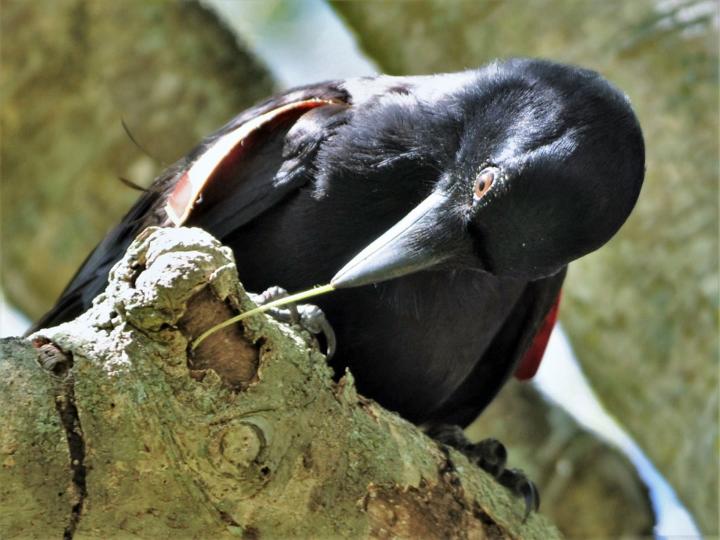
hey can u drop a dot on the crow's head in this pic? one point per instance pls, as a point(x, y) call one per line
point(547, 165)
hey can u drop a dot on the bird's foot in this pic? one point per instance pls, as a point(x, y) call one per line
point(491, 456)
point(308, 316)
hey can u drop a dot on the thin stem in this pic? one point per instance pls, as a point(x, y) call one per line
point(315, 291)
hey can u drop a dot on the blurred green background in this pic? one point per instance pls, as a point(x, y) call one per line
point(642, 312)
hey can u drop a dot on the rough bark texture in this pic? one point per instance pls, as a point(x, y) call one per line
point(113, 427)
point(642, 312)
point(70, 72)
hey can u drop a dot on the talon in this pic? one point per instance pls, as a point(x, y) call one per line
point(519, 484)
point(491, 456)
point(330, 339)
point(314, 321)
point(533, 501)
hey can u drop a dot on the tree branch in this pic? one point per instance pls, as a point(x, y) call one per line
point(111, 425)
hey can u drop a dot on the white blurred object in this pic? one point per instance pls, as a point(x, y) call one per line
point(12, 322)
point(561, 380)
point(299, 42)
point(689, 17)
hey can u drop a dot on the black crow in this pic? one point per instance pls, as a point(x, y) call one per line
point(445, 209)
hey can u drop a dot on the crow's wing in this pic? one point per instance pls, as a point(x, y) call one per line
point(509, 348)
point(231, 177)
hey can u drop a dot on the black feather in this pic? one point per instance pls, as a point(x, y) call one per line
point(311, 191)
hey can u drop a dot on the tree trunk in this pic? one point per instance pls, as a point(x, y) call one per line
point(113, 426)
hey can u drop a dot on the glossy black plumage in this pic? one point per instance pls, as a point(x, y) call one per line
point(312, 190)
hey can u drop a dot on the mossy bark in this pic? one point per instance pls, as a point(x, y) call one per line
point(113, 426)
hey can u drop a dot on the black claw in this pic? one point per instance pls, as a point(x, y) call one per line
point(519, 484)
point(491, 456)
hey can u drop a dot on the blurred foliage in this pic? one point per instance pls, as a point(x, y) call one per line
point(71, 70)
point(642, 311)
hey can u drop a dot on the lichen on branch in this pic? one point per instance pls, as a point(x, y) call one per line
point(247, 435)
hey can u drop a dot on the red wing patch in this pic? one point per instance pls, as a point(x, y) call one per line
point(531, 361)
point(188, 188)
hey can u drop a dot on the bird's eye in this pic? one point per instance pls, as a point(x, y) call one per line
point(484, 181)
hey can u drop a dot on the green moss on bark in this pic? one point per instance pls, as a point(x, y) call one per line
point(172, 450)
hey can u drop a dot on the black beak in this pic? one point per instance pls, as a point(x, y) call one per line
point(416, 242)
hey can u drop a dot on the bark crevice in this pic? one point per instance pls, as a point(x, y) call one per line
point(59, 363)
